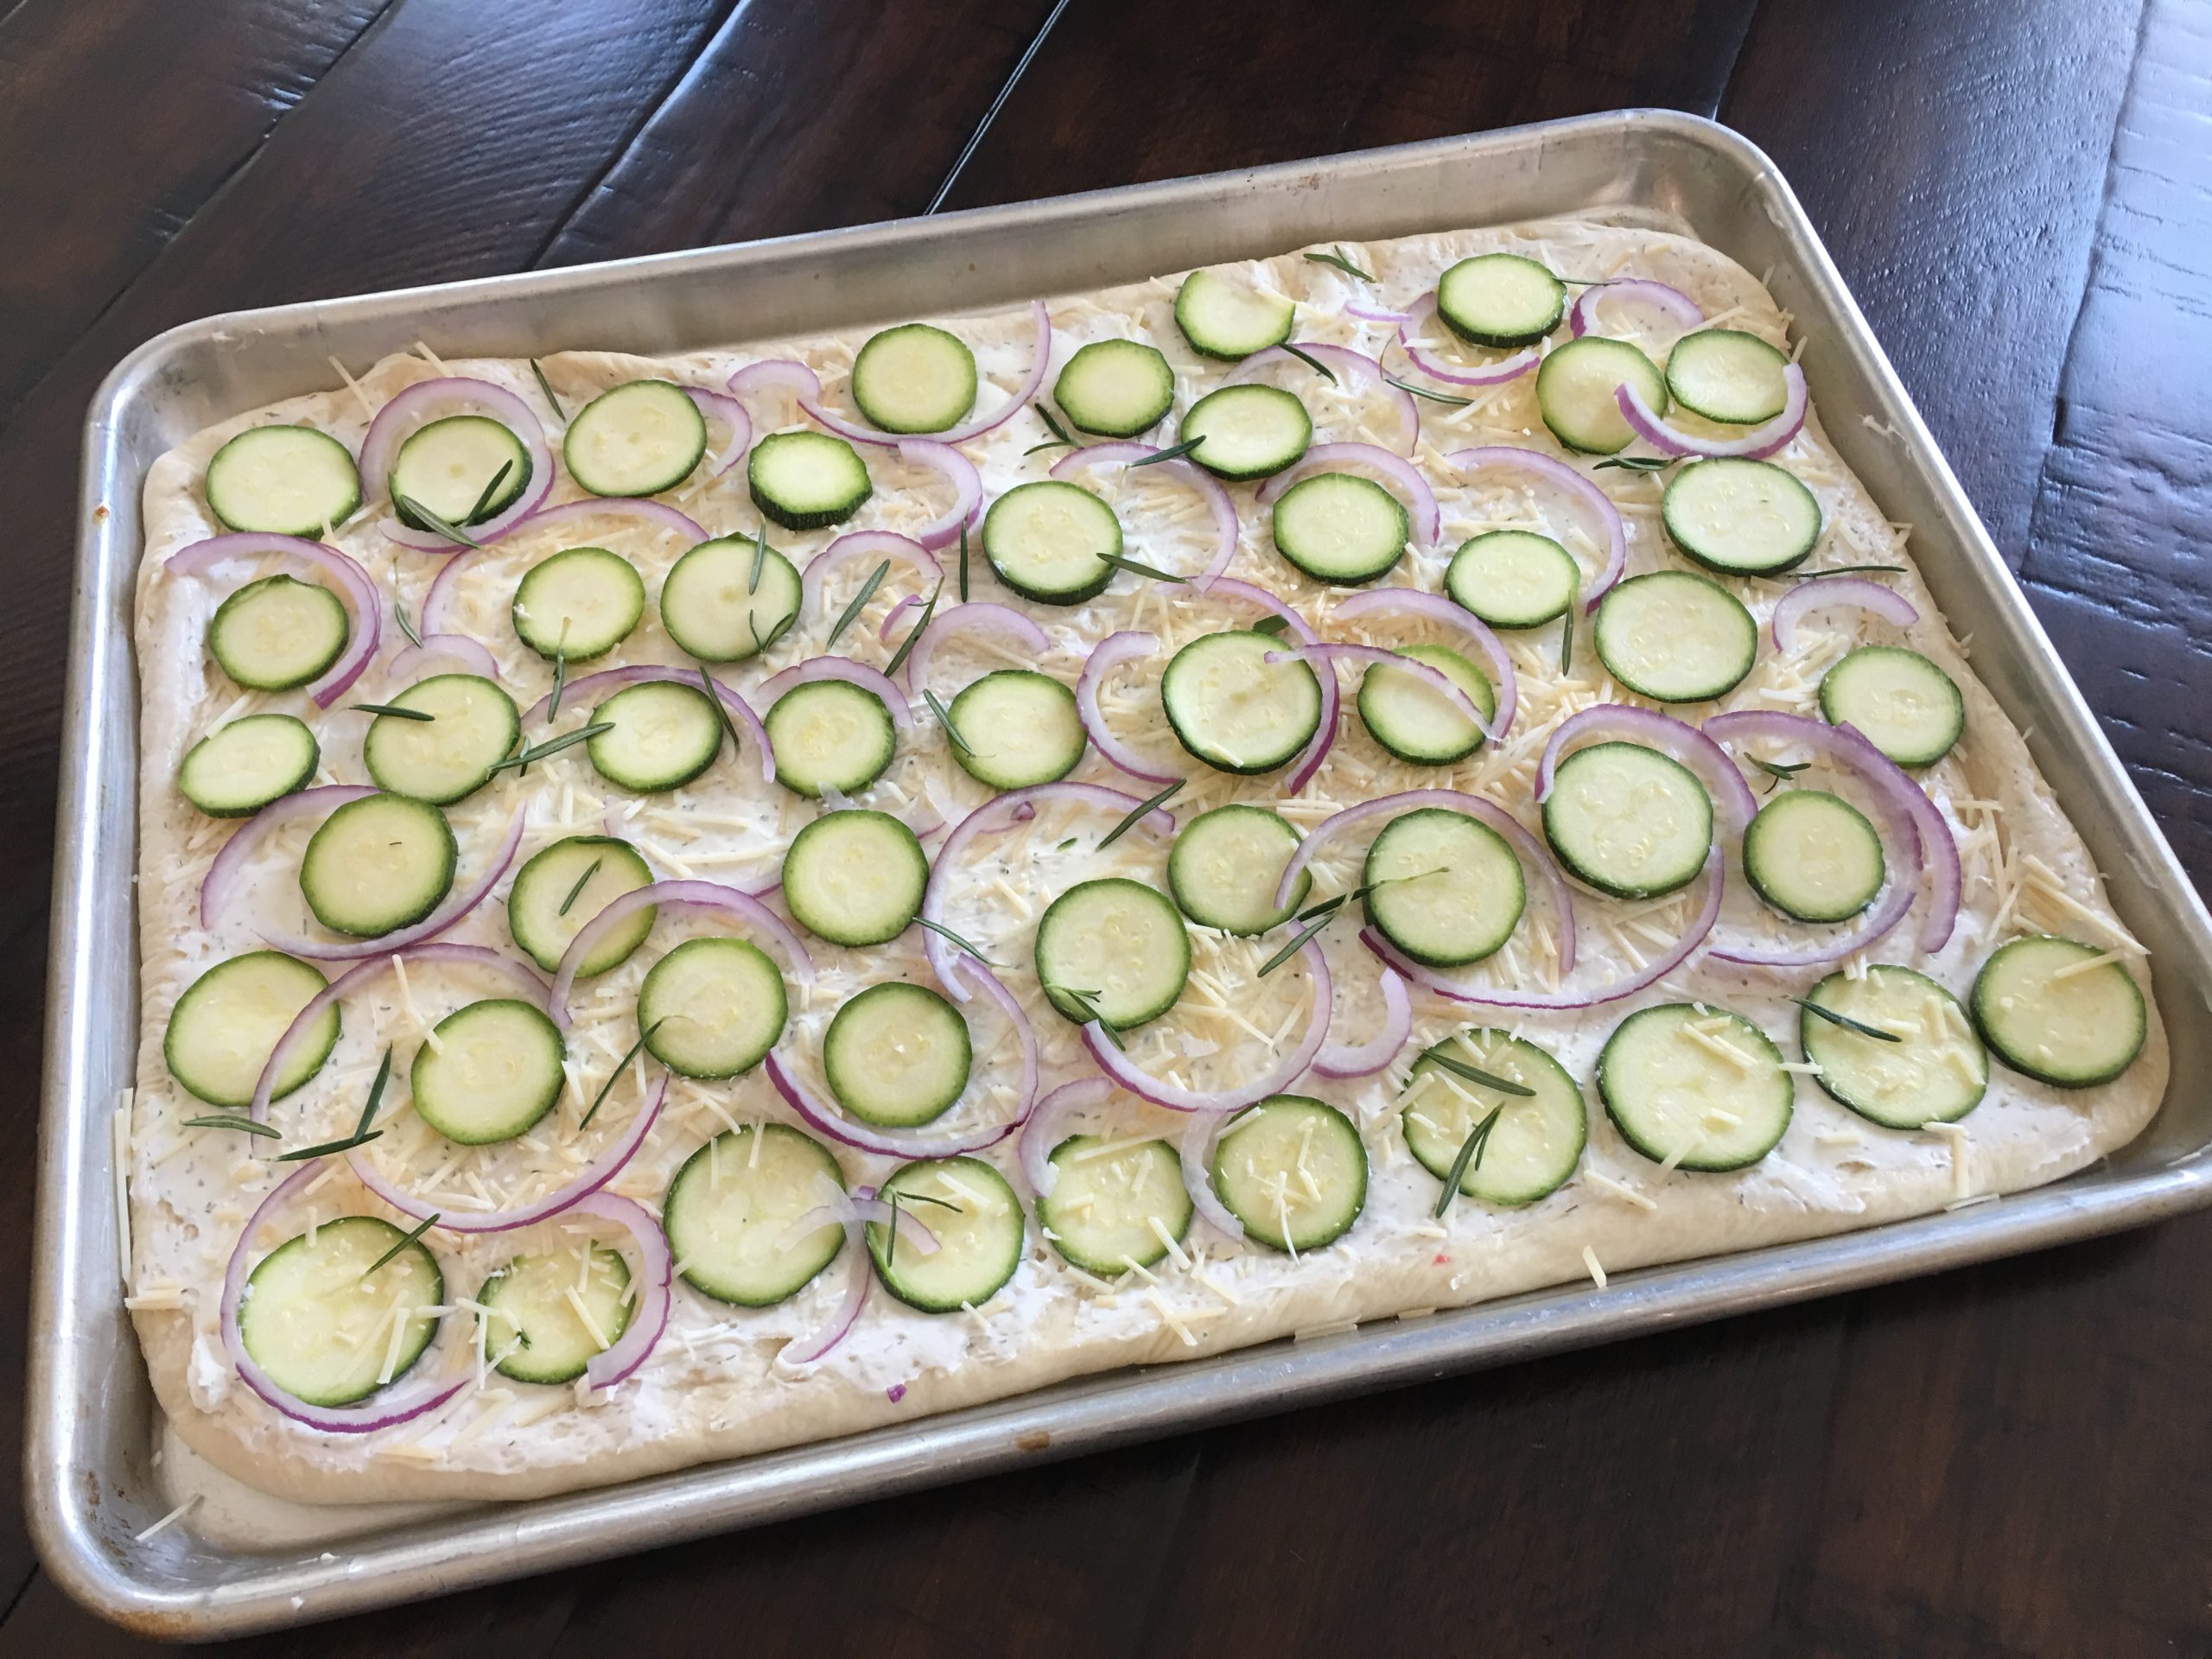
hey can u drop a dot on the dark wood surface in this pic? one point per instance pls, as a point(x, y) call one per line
point(2009, 1460)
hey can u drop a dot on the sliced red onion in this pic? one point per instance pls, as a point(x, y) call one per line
point(1110, 653)
point(891, 617)
point(957, 470)
point(1429, 523)
point(877, 1211)
point(434, 400)
point(1433, 608)
point(859, 1276)
point(1675, 957)
point(1367, 313)
point(1047, 1128)
point(608, 678)
point(466, 955)
point(1325, 735)
point(1196, 1148)
point(437, 603)
point(1329, 652)
point(1586, 492)
point(353, 584)
point(842, 667)
point(1755, 445)
point(1732, 796)
point(642, 512)
point(981, 614)
point(1041, 354)
point(1678, 305)
point(1276, 1078)
point(1365, 1059)
point(1494, 374)
point(875, 545)
point(446, 916)
point(470, 654)
point(717, 406)
point(740, 907)
point(649, 1320)
point(1817, 593)
point(1217, 498)
point(776, 374)
point(221, 885)
point(406, 1402)
point(1357, 367)
point(1905, 803)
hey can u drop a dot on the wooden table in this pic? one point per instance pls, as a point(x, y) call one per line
point(2013, 1460)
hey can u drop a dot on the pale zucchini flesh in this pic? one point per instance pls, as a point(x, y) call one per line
point(1695, 1086)
point(637, 439)
point(1674, 636)
point(1513, 578)
point(320, 1323)
point(713, 608)
point(1898, 700)
point(1247, 432)
point(831, 733)
point(227, 1024)
point(579, 604)
point(285, 480)
point(730, 1211)
point(1053, 542)
point(854, 877)
point(473, 726)
point(273, 634)
point(712, 1008)
point(1226, 864)
point(1017, 728)
point(1534, 1142)
point(494, 1070)
point(1339, 527)
point(914, 378)
point(806, 481)
point(979, 1228)
point(1415, 722)
point(1115, 1205)
point(1500, 300)
point(551, 1313)
point(1813, 856)
point(1116, 388)
point(377, 864)
point(1223, 318)
point(1114, 950)
point(465, 468)
point(1628, 820)
point(1936, 1072)
point(1741, 517)
point(563, 887)
point(1575, 392)
point(237, 769)
point(897, 1055)
point(2052, 1011)
point(1232, 709)
point(1294, 1170)
point(664, 734)
point(1728, 376)
point(1445, 888)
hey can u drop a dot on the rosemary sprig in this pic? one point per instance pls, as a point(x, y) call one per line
point(422, 1227)
point(860, 602)
point(1566, 638)
point(1471, 1152)
point(1129, 822)
point(226, 1121)
point(1852, 570)
point(942, 1204)
point(375, 1093)
point(435, 526)
point(546, 386)
point(1297, 944)
point(1476, 1074)
point(1173, 453)
point(560, 682)
point(490, 490)
point(1059, 440)
point(1064, 845)
point(944, 719)
point(1778, 770)
point(964, 564)
point(393, 709)
point(1637, 463)
point(1847, 1021)
point(1336, 257)
point(760, 558)
point(552, 746)
point(1433, 397)
point(399, 615)
point(1086, 1003)
point(1329, 905)
point(906, 645)
point(944, 932)
point(1311, 362)
point(1270, 625)
point(1139, 567)
point(714, 700)
point(328, 1146)
point(775, 633)
point(613, 1076)
point(582, 882)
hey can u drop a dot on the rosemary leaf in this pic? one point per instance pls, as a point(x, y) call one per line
point(424, 1226)
point(1853, 570)
point(1086, 1003)
point(576, 892)
point(714, 699)
point(553, 746)
point(1566, 641)
point(1296, 944)
point(944, 719)
point(393, 709)
point(1847, 1021)
point(490, 490)
point(1270, 625)
point(1476, 1074)
point(1175, 453)
point(1637, 463)
point(944, 932)
point(1433, 397)
point(906, 645)
point(435, 525)
point(964, 564)
point(614, 1077)
point(546, 386)
point(760, 558)
point(329, 1147)
point(1470, 1151)
point(375, 1093)
point(860, 602)
point(1336, 257)
point(560, 681)
point(226, 1121)
point(1129, 822)
point(1138, 567)
point(399, 615)
point(1311, 362)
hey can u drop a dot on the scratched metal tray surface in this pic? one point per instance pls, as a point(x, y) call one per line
point(90, 1484)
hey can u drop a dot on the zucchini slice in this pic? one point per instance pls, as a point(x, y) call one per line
point(287, 481)
point(1294, 1170)
point(1741, 517)
point(224, 1026)
point(1675, 638)
point(579, 604)
point(1226, 319)
point(1695, 1085)
point(1247, 431)
point(1901, 703)
point(730, 1213)
point(237, 769)
point(489, 1072)
point(832, 732)
point(714, 609)
point(551, 1314)
point(2052, 1017)
point(712, 1008)
point(1115, 1206)
point(1813, 856)
point(1114, 950)
point(448, 466)
point(897, 1055)
point(377, 864)
point(1576, 388)
point(1728, 376)
point(319, 1322)
point(1225, 867)
point(1500, 299)
point(1019, 728)
point(914, 378)
point(854, 877)
point(1513, 578)
point(1628, 820)
point(1413, 721)
point(1340, 528)
point(1444, 888)
point(562, 887)
point(1534, 1141)
point(1936, 1072)
point(665, 734)
point(473, 727)
point(1051, 542)
point(1235, 710)
point(637, 439)
point(273, 634)
point(978, 1225)
point(806, 481)
point(1116, 388)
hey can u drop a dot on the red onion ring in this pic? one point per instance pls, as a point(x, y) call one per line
point(1325, 735)
point(1217, 498)
point(957, 470)
point(617, 1363)
point(446, 916)
point(1042, 1133)
point(431, 400)
point(858, 1278)
point(776, 374)
point(593, 684)
point(1816, 592)
point(1429, 523)
point(726, 901)
point(849, 1208)
point(470, 654)
point(642, 512)
point(860, 543)
point(1365, 1059)
point(1433, 608)
point(1366, 313)
point(1357, 367)
point(1755, 445)
point(842, 667)
point(1678, 305)
point(948, 624)
point(1495, 374)
point(1109, 654)
point(1041, 354)
point(1124, 1071)
point(1374, 656)
point(354, 586)
point(891, 617)
point(1197, 1151)
point(220, 885)
point(1731, 797)
point(1582, 488)
point(717, 406)
point(436, 602)
point(407, 1402)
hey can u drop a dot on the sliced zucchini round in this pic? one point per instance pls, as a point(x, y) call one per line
point(273, 634)
point(1017, 727)
point(914, 378)
point(1535, 1140)
point(1675, 638)
point(714, 609)
point(551, 1314)
point(224, 1026)
point(1234, 709)
point(806, 481)
point(1728, 376)
point(730, 1209)
point(317, 1319)
point(1294, 1170)
point(897, 1055)
point(1339, 527)
point(977, 1221)
point(1051, 542)
point(1247, 432)
point(665, 734)
point(1576, 388)
point(1415, 722)
point(854, 877)
point(712, 1008)
point(1116, 388)
point(1226, 864)
point(1444, 888)
point(1513, 578)
point(1500, 299)
point(1112, 950)
point(377, 864)
point(638, 438)
point(1741, 517)
point(1226, 319)
point(489, 1072)
point(473, 727)
point(579, 604)
point(1695, 1085)
point(1115, 1206)
point(1628, 820)
point(1936, 1072)
point(235, 770)
point(464, 468)
point(1813, 856)
point(563, 887)
point(2051, 1017)
point(829, 732)
point(1901, 703)
point(285, 480)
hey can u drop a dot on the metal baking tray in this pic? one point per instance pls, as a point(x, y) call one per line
point(91, 1486)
